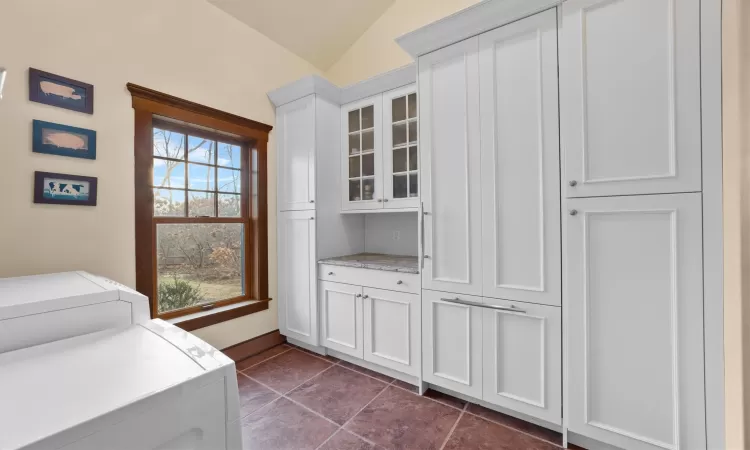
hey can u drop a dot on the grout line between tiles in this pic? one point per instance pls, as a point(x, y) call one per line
point(392, 383)
point(311, 353)
point(265, 404)
point(369, 376)
point(453, 428)
point(362, 409)
point(466, 410)
point(509, 427)
point(339, 427)
point(267, 359)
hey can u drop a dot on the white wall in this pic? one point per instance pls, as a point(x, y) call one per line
point(392, 233)
point(736, 118)
point(187, 48)
point(376, 51)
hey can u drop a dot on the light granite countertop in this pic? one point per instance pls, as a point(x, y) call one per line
point(376, 261)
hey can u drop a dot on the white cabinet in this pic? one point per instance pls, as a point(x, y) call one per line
point(634, 311)
point(450, 161)
point(452, 342)
point(295, 144)
point(520, 161)
point(341, 317)
point(630, 96)
point(392, 330)
point(522, 361)
point(380, 152)
point(400, 148)
point(378, 325)
point(361, 144)
point(298, 308)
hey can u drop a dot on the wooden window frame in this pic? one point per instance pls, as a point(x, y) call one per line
point(153, 108)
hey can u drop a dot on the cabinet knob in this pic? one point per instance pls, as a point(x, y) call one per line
point(365, 296)
point(426, 256)
point(380, 200)
point(385, 200)
point(312, 201)
point(359, 295)
point(573, 212)
point(573, 183)
point(312, 218)
point(399, 282)
point(330, 273)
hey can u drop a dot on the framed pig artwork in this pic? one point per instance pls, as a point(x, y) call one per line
point(51, 89)
point(63, 140)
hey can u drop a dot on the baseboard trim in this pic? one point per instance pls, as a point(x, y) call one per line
point(253, 346)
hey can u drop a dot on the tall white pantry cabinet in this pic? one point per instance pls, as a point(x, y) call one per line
point(309, 226)
point(563, 183)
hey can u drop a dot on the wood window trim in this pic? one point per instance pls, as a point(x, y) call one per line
point(151, 106)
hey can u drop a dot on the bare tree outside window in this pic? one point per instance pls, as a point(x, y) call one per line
point(199, 261)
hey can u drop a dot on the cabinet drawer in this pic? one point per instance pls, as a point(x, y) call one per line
point(393, 281)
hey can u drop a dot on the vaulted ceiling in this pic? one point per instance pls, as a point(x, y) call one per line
point(319, 31)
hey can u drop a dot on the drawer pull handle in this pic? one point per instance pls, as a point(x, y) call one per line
point(399, 282)
point(511, 308)
point(330, 273)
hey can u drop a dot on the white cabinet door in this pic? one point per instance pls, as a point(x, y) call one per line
point(520, 161)
point(341, 317)
point(522, 361)
point(401, 148)
point(298, 307)
point(295, 141)
point(634, 307)
point(450, 161)
point(452, 342)
point(361, 150)
point(393, 337)
point(630, 96)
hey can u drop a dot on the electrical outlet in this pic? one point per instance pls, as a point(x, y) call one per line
point(396, 235)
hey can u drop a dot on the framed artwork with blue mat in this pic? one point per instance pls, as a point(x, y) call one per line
point(62, 189)
point(63, 140)
point(51, 89)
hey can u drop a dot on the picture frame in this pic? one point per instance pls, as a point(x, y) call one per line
point(63, 140)
point(64, 189)
point(55, 90)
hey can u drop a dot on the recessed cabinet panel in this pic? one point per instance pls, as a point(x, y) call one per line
point(523, 359)
point(296, 152)
point(362, 158)
point(341, 316)
point(450, 161)
point(630, 96)
point(298, 317)
point(635, 314)
point(520, 161)
point(392, 330)
point(452, 336)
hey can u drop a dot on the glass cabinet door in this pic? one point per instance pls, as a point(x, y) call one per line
point(401, 138)
point(362, 160)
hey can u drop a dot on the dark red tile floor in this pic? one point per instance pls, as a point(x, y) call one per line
point(293, 399)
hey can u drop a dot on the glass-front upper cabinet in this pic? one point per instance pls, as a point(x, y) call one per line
point(380, 152)
point(401, 143)
point(362, 176)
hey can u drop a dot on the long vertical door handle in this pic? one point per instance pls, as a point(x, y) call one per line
point(421, 230)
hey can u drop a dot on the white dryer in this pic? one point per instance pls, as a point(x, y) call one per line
point(139, 384)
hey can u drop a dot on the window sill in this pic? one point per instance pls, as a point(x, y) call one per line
point(202, 319)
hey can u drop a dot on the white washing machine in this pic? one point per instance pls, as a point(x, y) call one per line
point(107, 378)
